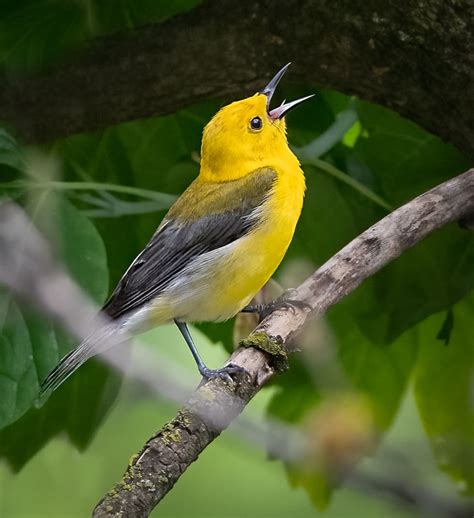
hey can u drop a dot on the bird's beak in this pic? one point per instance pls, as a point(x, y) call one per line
point(284, 108)
point(269, 90)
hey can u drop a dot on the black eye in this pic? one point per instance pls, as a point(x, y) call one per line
point(256, 123)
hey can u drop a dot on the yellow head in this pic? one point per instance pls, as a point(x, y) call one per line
point(246, 135)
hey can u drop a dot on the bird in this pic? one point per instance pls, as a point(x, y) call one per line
point(220, 242)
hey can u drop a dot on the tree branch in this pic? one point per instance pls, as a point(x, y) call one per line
point(416, 58)
point(154, 471)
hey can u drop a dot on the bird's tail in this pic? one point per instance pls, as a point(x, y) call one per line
point(97, 342)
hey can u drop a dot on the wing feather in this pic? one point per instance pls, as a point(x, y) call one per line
point(192, 227)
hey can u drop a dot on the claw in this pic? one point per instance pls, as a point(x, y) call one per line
point(224, 373)
point(266, 309)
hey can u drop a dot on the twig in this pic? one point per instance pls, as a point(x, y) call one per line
point(156, 468)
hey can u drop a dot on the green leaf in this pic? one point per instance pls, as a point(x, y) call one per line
point(18, 376)
point(349, 180)
point(31, 346)
point(37, 33)
point(443, 390)
point(34, 33)
point(10, 152)
point(77, 409)
point(405, 159)
point(80, 248)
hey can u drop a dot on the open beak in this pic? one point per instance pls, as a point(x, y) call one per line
point(284, 108)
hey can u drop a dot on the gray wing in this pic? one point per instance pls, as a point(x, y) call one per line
point(176, 243)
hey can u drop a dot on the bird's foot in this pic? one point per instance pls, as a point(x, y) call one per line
point(281, 303)
point(225, 373)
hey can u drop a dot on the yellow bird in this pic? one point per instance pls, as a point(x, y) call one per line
point(220, 242)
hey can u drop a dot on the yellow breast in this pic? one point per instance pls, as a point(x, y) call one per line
point(258, 255)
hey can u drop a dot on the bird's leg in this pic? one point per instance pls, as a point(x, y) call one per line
point(281, 303)
point(224, 373)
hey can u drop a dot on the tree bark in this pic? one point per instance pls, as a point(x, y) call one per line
point(154, 471)
point(416, 57)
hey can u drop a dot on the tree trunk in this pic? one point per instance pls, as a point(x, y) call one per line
point(416, 57)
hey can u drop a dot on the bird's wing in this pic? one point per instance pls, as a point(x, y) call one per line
point(206, 217)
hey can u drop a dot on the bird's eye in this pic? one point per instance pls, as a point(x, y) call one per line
point(256, 124)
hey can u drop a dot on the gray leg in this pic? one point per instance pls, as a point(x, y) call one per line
point(225, 372)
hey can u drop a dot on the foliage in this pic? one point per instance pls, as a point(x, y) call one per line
point(35, 34)
point(31, 346)
point(126, 176)
point(445, 405)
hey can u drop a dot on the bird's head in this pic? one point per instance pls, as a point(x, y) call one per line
point(247, 135)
